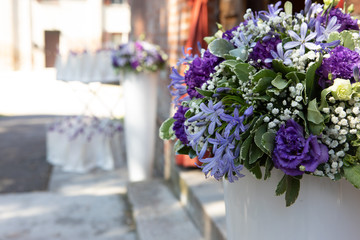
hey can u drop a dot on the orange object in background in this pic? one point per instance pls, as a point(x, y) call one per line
point(198, 25)
point(340, 4)
point(185, 161)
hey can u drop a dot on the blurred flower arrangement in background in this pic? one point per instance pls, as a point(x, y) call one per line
point(138, 56)
point(279, 90)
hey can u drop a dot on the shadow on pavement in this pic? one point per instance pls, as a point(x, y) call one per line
point(23, 166)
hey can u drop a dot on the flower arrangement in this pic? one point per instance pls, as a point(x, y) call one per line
point(138, 56)
point(279, 90)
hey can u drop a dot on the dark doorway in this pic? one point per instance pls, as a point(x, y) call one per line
point(52, 39)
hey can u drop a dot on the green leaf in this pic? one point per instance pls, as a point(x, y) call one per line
point(256, 171)
point(280, 83)
point(310, 83)
point(208, 40)
point(302, 116)
point(296, 77)
point(347, 40)
point(181, 148)
point(220, 47)
point(268, 141)
point(324, 93)
point(229, 57)
point(349, 160)
point(279, 66)
point(334, 36)
point(192, 154)
point(255, 153)
point(242, 71)
point(262, 84)
point(258, 137)
point(281, 187)
point(230, 63)
point(205, 93)
point(241, 53)
point(313, 113)
point(268, 167)
point(166, 131)
point(263, 73)
point(316, 129)
point(292, 190)
point(288, 8)
point(257, 124)
point(352, 174)
point(245, 149)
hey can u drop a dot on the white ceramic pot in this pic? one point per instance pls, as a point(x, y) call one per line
point(140, 95)
point(324, 210)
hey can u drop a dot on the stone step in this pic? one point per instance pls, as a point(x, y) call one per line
point(203, 199)
point(158, 214)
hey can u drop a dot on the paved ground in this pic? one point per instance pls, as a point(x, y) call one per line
point(39, 203)
point(23, 165)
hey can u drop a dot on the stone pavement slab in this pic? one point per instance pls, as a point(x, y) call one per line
point(158, 214)
point(90, 206)
point(23, 165)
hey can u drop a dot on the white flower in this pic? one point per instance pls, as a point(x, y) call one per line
point(275, 111)
point(271, 125)
point(356, 110)
point(334, 120)
point(342, 114)
point(266, 119)
point(326, 110)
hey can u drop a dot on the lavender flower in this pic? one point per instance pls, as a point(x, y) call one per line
point(179, 126)
point(345, 20)
point(302, 40)
point(273, 12)
point(262, 50)
point(236, 122)
point(294, 154)
point(323, 33)
point(228, 35)
point(177, 87)
point(199, 72)
point(279, 54)
point(340, 64)
point(222, 163)
point(210, 113)
point(138, 56)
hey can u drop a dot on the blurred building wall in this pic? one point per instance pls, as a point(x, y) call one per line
point(82, 25)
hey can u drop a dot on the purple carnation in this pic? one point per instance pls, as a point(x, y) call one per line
point(227, 35)
point(262, 51)
point(199, 72)
point(340, 64)
point(345, 20)
point(293, 151)
point(179, 126)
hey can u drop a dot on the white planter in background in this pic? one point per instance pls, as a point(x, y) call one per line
point(324, 210)
point(140, 95)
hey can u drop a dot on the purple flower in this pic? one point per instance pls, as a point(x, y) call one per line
point(262, 50)
point(236, 122)
point(177, 87)
point(199, 72)
point(227, 35)
point(285, 57)
point(293, 151)
point(302, 40)
point(322, 32)
point(345, 20)
point(179, 126)
point(340, 64)
point(209, 113)
point(272, 13)
point(222, 163)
